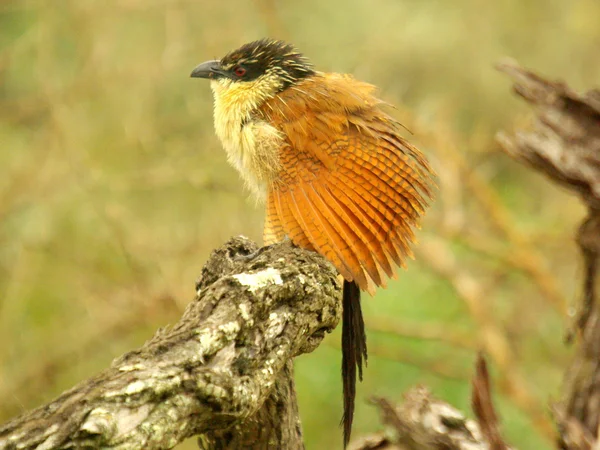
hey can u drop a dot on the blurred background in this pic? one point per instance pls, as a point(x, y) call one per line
point(114, 190)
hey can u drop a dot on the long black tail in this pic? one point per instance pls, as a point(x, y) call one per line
point(354, 351)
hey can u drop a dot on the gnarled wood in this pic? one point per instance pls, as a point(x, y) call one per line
point(223, 371)
point(564, 144)
point(422, 422)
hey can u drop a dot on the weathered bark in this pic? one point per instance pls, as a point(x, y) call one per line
point(275, 425)
point(422, 422)
point(564, 144)
point(224, 370)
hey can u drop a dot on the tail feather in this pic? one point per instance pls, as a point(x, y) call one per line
point(354, 351)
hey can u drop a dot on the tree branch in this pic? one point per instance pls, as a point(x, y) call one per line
point(224, 370)
point(564, 144)
point(422, 422)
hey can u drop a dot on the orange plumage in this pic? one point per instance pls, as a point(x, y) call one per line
point(349, 187)
point(335, 173)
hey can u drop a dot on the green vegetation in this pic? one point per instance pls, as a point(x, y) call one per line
point(113, 191)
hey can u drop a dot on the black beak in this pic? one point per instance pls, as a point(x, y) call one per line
point(207, 69)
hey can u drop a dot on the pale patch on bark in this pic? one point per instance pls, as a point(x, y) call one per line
point(258, 280)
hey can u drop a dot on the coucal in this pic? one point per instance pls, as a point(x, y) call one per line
point(331, 165)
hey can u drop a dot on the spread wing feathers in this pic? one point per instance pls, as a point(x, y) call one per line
point(273, 231)
point(350, 187)
point(291, 226)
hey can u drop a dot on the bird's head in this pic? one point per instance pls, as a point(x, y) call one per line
point(255, 72)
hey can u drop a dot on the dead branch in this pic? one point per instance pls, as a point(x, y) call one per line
point(223, 371)
point(564, 144)
point(483, 406)
point(422, 422)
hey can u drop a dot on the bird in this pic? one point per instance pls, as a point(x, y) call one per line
point(331, 167)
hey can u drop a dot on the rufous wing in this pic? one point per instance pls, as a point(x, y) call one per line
point(350, 187)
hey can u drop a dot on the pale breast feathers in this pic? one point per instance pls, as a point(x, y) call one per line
point(252, 145)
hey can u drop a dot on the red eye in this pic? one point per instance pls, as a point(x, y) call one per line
point(239, 71)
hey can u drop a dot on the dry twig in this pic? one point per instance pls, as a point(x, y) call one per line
point(483, 406)
point(422, 422)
